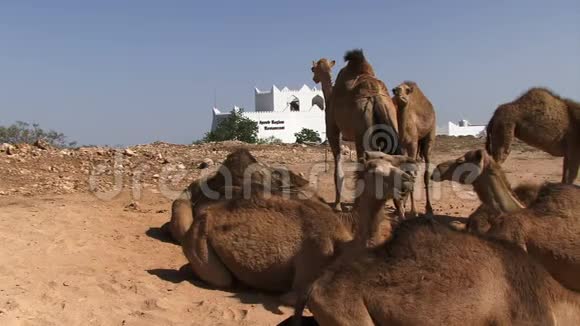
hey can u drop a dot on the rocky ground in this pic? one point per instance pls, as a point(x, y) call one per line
point(81, 244)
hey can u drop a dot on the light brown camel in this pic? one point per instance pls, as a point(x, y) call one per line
point(428, 274)
point(322, 74)
point(541, 119)
point(281, 244)
point(417, 129)
point(361, 110)
point(239, 168)
point(549, 229)
point(478, 221)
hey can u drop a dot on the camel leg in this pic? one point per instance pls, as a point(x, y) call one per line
point(426, 144)
point(333, 135)
point(202, 258)
point(572, 159)
point(181, 218)
point(412, 150)
point(501, 140)
point(307, 266)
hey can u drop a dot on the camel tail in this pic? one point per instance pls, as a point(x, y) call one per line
point(385, 135)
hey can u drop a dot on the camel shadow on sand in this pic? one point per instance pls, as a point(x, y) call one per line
point(246, 295)
point(160, 234)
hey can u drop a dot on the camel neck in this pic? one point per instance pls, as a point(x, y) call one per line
point(493, 190)
point(326, 83)
point(370, 212)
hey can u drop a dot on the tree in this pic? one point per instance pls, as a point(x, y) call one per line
point(234, 127)
point(22, 132)
point(307, 135)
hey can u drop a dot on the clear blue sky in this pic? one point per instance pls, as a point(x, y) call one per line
point(127, 72)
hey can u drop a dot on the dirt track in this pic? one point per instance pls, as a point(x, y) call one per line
point(71, 258)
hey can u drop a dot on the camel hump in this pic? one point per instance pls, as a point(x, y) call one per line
point(355, 56)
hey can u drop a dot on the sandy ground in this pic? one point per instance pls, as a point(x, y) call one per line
point(75, 259)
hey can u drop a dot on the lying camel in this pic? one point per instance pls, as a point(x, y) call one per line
point(416, 129)
point(478, 221)
point(541, 119)
point(238, 170)
point(548, 229)
point(281, 244)
point(361, 109)
point(428, 274)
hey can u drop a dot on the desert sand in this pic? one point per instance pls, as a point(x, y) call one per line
point(70, 255)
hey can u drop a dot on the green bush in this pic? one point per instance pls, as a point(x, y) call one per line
point(22, 132)
point(307, 135)
point(234, 127)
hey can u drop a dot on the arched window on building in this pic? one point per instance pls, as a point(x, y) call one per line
point(318, 100)
point(294, 104)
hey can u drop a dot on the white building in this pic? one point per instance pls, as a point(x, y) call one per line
point(282, 113)
point(464, 128)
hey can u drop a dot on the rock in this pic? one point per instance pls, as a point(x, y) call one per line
point(206, 163)
point(345, 150)
point(5, 147)
point(135, 206)
point(156, 176)
point(42, 144)
point(181, 166)
point(129, 152)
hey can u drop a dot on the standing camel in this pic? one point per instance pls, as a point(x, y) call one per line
point(417, 127)
point(548, 229)
point(360, 109)
point(322, 74)
point(541, 119)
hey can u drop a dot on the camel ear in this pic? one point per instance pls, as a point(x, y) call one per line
point(332, 63)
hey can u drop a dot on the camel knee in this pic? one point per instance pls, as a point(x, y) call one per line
point(181, 219)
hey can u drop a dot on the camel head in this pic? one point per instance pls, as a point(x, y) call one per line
point(384, 175)
point(403, 92)
point(322, 69)
point(465, 169)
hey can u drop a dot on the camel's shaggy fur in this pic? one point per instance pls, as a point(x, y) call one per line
point(541, 119)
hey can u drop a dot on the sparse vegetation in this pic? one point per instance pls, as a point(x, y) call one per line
point(234, 127)
point(270, 140)
point(23, 132)
point(307, 135)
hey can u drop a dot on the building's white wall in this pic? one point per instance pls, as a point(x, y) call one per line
point(264, 101)
point(286, 124)
point(275, 118)
point(279, 99)
point(456, 130)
